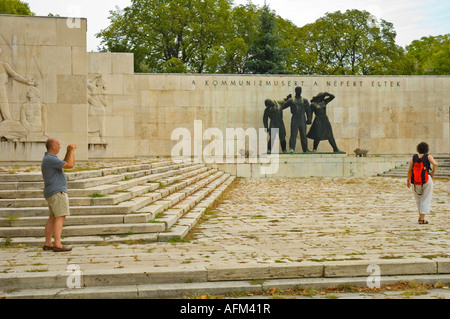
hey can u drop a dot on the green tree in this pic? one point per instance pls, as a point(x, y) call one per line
point(292, 42)
point(211, 36)
point(157, 31)
point(353, 42)
point(429, 55)
point(174, 65)
point(265, 54)
point(15, 7)
point(228, 59)
point(243, 22)
point(230, 56)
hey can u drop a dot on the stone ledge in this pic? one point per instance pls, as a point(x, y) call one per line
point(320, 272)
point(443, 266)
point(387, 268)
point(255, 272)
point(311, 165)
point(179, 290)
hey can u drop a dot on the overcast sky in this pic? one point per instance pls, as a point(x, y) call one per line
point(412, 19)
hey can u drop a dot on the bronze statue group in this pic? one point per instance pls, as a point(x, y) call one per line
point(302, 114)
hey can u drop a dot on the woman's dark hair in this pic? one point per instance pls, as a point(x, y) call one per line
point(423, 148)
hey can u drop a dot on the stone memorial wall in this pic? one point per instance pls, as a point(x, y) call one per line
point(383, 114)
point(50, 86)
point(111, 105)
point(42, 85)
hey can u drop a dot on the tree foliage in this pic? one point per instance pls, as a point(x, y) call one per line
point(427, 56)
point(213, 36)
point(157, 31)
point(265, 55)
point(15, 7)
point(353, 42)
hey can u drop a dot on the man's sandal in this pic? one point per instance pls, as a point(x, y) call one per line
point(423, 222)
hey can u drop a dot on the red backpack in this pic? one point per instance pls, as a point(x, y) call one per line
point(419, 174)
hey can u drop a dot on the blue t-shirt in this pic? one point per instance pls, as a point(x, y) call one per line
point(55, 180)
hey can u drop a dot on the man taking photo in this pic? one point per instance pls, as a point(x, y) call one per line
point(55, 192)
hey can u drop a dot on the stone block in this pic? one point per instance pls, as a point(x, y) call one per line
point(71, 89)
point(79, 62)
point(229, 273)
point(71, 31)
point(79, 118)
point(60, 119)
point(122, 105)
point(128, 85)
point(99, 62)
point(50, 54)
point(31, 280)
point(122, 63)
point(136, 276)
point(137, 218)
point(443, 266)
point(49, 89)
point(387, 268)
point(26, 30)
point(177, 231)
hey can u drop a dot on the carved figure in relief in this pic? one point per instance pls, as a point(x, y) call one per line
point(97, 108)
point(6, 72)
point(34, 116)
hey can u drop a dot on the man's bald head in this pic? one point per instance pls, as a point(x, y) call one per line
point(53, 146)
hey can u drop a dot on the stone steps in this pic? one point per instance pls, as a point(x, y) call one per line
point(24, 189)
point(176, 282)
point(122, 191)
point(442, 172)
point(190, 289)
point(122, 199)
point(141, 202)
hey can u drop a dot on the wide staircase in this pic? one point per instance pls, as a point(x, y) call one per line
point(152, 202)
point(443, 170)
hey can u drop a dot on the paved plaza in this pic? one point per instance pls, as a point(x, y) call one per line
point(278, 222)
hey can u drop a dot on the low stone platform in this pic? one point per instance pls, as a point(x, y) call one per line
point(310, 165)
point(262, 233)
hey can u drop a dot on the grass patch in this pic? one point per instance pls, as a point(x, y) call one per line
point(37, 270)
point(96, 195)
point(209, 214)
point(81, 168)
point(259, 217)
point(333, 259)
point(434, 256)
point(415, 289)
point(160, 184)
point(177, 240)
point(391, 257)
point(408, 288)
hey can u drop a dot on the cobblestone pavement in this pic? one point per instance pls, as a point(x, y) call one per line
point(264, 221)
point(276, 221)
point(327, 219)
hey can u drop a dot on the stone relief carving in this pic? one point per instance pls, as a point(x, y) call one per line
point(11, 129)
point(97, 109)
point(34, 116)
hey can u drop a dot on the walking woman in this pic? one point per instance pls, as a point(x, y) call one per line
point(424, 192)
